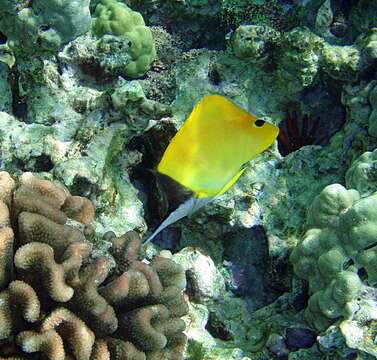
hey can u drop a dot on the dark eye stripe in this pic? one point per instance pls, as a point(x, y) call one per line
point(259, 122)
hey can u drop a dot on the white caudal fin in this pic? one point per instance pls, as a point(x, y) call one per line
point(185, 209)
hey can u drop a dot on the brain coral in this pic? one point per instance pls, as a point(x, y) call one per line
point(33, 27)
point(57, 302)
point(115, 18)
point(338, 253)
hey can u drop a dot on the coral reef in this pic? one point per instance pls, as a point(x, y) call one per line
point(76, 132)
point(72, 111)
point(59, 302)
point(372, 128)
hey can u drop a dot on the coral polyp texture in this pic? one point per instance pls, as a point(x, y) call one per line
point(116, 21)
point(58, 302)
point(338, 253)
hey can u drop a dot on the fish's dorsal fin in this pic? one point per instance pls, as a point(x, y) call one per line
point(187, 208)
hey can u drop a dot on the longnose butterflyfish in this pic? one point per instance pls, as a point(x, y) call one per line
point(209, 152)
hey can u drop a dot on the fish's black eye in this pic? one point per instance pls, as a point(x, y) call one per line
point(259, 123)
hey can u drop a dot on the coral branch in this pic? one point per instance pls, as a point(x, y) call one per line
point(18, 302)
point(79, 209)
point(6, 255)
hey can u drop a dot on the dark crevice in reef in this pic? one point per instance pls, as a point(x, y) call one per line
point(3, 38)
point(369, 73)
point(217, 329)
point(19, 107)
point(43, 163)
point(345, 6)
point(18, 164)
point(301, 297)
point(362, 274)
point(214, 77)
point(246, 254)
point(95, 71)
point(82, 186)
point(143, 176)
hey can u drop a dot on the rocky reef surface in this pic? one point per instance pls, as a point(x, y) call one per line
point(282, 266)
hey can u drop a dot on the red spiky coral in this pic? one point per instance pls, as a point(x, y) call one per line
point(296, 131)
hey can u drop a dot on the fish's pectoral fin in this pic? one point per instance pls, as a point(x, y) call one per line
point(190, 206)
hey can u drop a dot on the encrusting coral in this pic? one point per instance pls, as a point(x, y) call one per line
point(57, 302)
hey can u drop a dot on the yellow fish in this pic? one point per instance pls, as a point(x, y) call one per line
point(209, 152)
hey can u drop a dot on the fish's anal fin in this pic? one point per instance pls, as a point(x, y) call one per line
point(187, 208)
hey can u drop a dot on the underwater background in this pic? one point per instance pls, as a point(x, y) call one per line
point(281, 266)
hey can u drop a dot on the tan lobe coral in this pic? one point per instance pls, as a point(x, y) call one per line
point(45, 189)
point(6, 255)
point(37, 228)
point(18, 302)
point(79, 209)
point(65, 305)
point(49, 343)
point(7, 184)
point(38, 257)
point(73, 330)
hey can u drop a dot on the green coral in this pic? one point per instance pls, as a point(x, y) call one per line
point(117, 19)
point(40, 26)
point(338, 253)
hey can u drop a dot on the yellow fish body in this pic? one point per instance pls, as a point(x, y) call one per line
point(208, 153)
